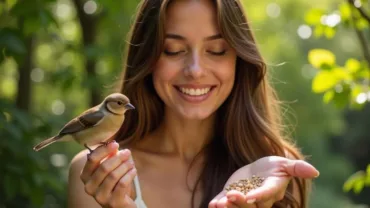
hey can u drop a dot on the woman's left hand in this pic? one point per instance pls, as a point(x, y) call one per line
point(277, 172)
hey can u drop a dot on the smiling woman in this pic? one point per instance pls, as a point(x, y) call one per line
point(206, 117)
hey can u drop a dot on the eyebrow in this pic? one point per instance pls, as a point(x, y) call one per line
point(179, 37)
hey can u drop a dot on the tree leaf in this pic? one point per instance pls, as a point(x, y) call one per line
point(350, 182)
point(329, 32)
point(341, 74)
point(355, 91)
point(342, 99)
point(358, 186)
point(25, 8)
point(361, 24)
point(31, 25)
point(328, 96)
point(367, 178)
point(319, 57)
point(323, 81)
point(313, 17)
point(353, 65)
point(345, 11)
point(319, 31)
point(12, 41)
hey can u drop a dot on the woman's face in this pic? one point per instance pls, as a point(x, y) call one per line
point(195, 73)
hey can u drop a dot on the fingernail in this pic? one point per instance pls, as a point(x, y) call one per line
point(113, 145)
point(122, 153)
point(232, 198)
point(251, 201)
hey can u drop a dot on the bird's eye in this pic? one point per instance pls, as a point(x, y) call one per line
point(119, 103)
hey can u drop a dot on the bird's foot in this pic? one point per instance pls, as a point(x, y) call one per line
point(106, 143)
point(90, 150)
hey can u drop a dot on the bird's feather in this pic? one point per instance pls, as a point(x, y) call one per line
point(86, 120)
point(46, 143)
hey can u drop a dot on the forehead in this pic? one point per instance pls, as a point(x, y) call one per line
point(191, 17)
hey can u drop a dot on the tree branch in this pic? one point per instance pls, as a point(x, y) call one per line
point(23, 98)
point(361, 36)
point(361, 10)
point(88, 26)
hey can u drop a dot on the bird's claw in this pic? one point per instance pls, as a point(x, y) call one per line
point(90, 150)
point(106, 143)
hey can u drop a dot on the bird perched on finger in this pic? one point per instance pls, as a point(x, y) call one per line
point(94, 126)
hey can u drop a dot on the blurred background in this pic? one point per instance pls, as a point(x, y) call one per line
point(59, 57)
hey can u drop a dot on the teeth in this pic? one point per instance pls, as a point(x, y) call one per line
point(195, 92)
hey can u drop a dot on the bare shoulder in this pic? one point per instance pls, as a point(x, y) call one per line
point(77, 197)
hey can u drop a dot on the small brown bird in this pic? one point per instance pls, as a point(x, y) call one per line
point(96, 125)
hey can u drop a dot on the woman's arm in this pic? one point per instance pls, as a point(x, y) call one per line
point(77, 197)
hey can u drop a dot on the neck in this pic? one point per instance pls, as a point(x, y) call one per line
point(184, 138)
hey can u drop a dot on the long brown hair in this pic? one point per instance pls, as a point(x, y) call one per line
point(248, 125)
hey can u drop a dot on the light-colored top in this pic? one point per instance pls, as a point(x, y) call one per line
point(139, 199)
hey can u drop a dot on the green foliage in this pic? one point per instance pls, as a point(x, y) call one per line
point(31, 179)
point(50, 32)
point(346, 85)
point(340, 84)
point(26, 176)
point(358, 181)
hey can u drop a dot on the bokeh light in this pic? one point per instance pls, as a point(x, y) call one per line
point(63, 11)
point(57, 107)
point(361, 98)
point(90, 7)
point(304, 31)
point(273, 10)
point(58, 160)
point(331, 20)
point(37, 75)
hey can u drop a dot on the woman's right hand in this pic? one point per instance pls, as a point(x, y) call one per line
point(108, 176)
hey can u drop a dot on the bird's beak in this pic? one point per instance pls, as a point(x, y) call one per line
point(129, 106)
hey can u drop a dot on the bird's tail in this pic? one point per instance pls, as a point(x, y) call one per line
point(46, 143)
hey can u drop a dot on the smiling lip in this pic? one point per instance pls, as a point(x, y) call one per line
point(194, 93)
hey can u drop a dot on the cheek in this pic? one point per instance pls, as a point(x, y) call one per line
point(226, 74)
point(164, 74)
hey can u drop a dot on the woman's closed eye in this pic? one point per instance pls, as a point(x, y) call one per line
point(172, 53)
point(217, 53)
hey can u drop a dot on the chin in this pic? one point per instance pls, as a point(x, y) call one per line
point(195, 114)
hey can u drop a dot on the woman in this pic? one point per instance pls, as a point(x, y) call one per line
point(205, 117)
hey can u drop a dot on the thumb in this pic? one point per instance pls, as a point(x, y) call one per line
point(301, 169)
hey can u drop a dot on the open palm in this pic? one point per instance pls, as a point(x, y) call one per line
point(277, 172)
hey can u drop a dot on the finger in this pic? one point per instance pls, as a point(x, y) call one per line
point(302, 169)
point(239, 203)
point(213, 203)
point(222, 202)
point(127, 202)
point(95, 158)
point(105, 168)
point(120, 188)
point(113, 178)
point(265, 204)
point(238, 199)
point(269, 189)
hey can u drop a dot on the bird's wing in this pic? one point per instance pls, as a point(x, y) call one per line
point(86, 120)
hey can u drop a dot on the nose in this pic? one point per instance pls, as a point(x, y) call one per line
point(194, 68)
